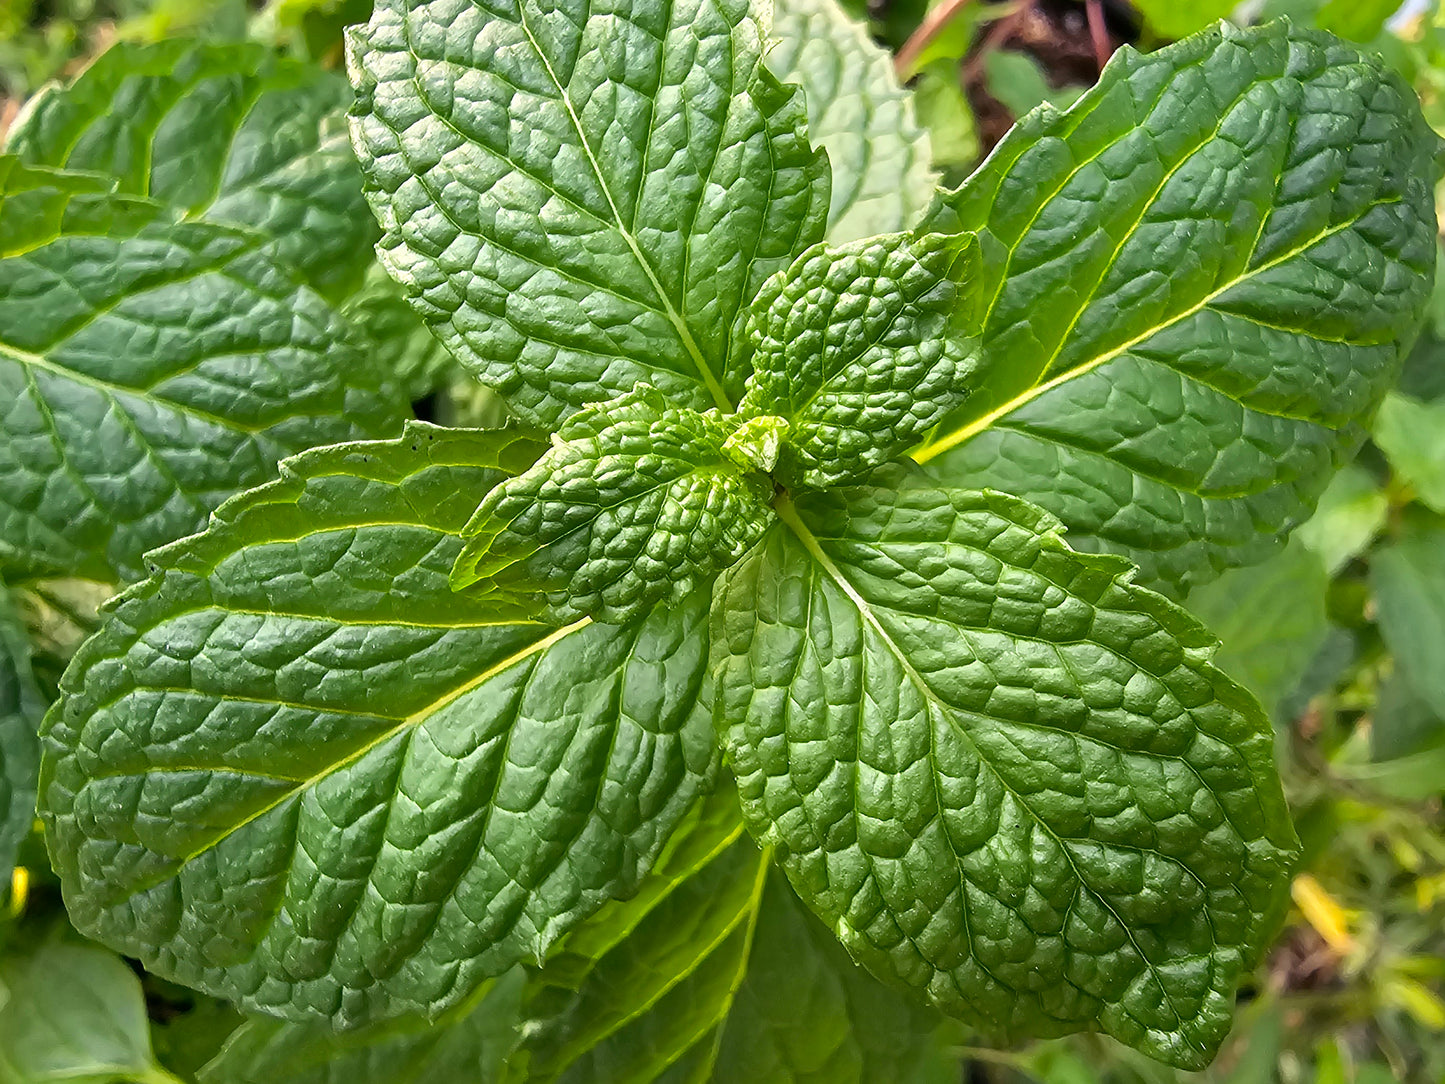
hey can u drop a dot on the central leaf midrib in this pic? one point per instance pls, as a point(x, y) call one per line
point(684, 333)
point(788, 514)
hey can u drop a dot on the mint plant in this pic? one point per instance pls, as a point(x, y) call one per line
point(830, 562)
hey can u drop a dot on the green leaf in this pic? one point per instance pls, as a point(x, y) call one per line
point(1004, 775)
point(859, 114)
point(1017, 80)
point(1412, 436)
point(149, 369)
point(21, 708)
point(466, 1045)
point(228, 130)
point(1351, 513)
point(1199, 282)
point(1358, 20)
point(634, 503)
point(1408, 577)
point(1270, 618)
point(74, 1013)
point(578, 199)
point(862, 349)
point(1402, 723)
point(714, 972)
point(1180, 18)
point(402, 345)
point(296, 770)
point(943, 108)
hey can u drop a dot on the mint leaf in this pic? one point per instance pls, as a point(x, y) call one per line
point(149, 368)
point(859, 114)
point(576, 199)
point(465, 1045)
point(1412, 436)
point(1408, 579)
point(713, 972)
point(1198, 283)
point(635, 503)
point(73, 1013)
point(1270, 619)
point(401, 344)
point(21, 707)
point(1005, 776)
point(296, 770)
point(861, 350)
point(227, 130)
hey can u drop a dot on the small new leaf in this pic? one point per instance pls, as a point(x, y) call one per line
point(1006, 776)
point(636, 502)
point(861, 350)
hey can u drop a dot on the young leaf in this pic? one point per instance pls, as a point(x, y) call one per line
point(150, 368)
point(861, 350)
point(228, 130)
point(859, 114)
point(20, 710)
point(296, 770)
point(466, 1045)
point(1003, 774)
point(578, 199)
point(75, 1013)
point(713, 972)
point(634, 503)
point(1198, 283)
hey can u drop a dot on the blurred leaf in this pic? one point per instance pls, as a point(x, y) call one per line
point(1402, 723)
point(1408, 779)
point(1408, 578)
point(466, 1045)
point(1350, 514)
point(859, 114)
point(20, 710)
point(185, 1044)
point(1423, 375)
point(1412, 436)
point(954, 40)
point(1358, 20)
point(1018, 82)
point(1271, 619)
point(74, 1013)
point(942, 107)
point(1260, 1058)
point(1179, 18)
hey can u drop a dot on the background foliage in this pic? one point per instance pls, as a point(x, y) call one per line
point(1342, 634)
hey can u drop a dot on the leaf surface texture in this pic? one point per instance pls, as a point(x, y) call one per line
point(1201, 279)
point(296, 770)
point(1004, 775)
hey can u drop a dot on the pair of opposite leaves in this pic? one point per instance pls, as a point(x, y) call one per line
point(858, 351)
